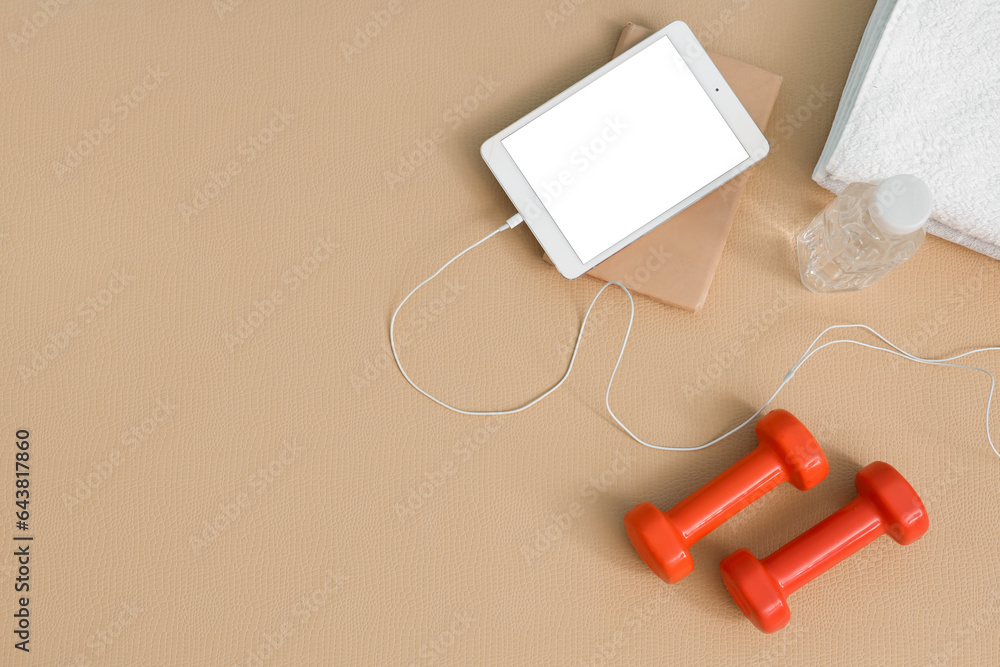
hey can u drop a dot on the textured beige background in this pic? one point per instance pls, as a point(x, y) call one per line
point(224, 459)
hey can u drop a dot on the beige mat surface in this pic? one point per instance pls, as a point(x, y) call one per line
point(209, 210)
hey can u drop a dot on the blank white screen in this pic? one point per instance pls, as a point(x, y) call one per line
point(624, 149)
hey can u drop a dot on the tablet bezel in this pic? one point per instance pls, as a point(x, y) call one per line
point(530, 206)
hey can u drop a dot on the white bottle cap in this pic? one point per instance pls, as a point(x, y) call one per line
point(901, 204)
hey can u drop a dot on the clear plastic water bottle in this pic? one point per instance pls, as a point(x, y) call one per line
point(864, 234)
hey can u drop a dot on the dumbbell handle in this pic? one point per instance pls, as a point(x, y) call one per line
point(715, 503)
point(815, 551)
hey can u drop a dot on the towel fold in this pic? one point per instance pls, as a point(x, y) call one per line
point(923, 97)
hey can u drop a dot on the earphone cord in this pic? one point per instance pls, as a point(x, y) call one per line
point(810, 351)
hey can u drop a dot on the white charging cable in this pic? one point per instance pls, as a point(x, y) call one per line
point(515, 220)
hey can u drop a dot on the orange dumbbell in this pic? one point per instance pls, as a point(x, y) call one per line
point(787, 453)
point(886, 504)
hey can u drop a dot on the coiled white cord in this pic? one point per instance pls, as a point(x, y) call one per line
point(810, 351)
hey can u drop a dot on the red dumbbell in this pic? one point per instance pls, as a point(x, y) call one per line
point(787, 453)
point(886, 504)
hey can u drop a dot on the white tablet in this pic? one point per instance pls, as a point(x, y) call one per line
point(623, 150)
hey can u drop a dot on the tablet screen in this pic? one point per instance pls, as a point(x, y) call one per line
point(624, 149)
